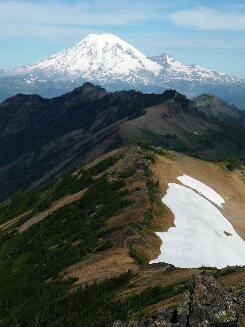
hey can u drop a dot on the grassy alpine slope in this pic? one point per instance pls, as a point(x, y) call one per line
point(76, 252)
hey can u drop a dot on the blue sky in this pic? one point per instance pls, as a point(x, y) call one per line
point(210, 33)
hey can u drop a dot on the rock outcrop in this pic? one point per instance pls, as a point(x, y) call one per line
point(205, 303)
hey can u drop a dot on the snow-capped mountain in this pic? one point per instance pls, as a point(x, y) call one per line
point(99, 57)
point(109, 61)
point(173, 69)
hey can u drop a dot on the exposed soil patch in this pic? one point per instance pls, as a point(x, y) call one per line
point(54, 207)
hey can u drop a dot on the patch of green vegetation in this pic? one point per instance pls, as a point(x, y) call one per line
point(148, 216)
point(169, 141)
point(225, 142)
point(141, 260)
point(153, 190)
point(147, 151)
point(104, 246)
point(103, 165)
point(128, 173)
point(29, 259)
point(228, 271)
point(160, 151)
point(138, 226)
point(106, 231)
point(42, 199)
point(160, 209)
point(153, 295)
point(72, 183)
point(231, 164)
point(150, 137)
point(89, 306)
point(22, 202)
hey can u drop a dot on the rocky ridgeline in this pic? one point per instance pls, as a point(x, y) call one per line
point(206, 303)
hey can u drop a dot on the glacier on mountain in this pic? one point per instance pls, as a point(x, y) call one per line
point(99, 57)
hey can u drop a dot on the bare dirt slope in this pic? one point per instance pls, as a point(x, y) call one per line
point(161, 120)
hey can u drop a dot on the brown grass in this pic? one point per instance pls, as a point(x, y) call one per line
point(135, 214)
point(163, 305)
point(233, 278)
point(148, 245)
point(100, 266)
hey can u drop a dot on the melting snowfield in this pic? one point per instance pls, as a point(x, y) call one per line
point(203, 189)
point(202, 236)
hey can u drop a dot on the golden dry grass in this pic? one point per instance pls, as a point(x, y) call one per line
point(100, 266)
point(54, 207)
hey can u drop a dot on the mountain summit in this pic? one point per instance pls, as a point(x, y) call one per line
point(109, 61)
point(99, 57)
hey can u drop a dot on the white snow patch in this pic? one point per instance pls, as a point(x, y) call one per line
point(202, 188)
point(198, 238)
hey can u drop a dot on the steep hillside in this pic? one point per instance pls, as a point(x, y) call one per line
point(178, 124)
point(77, 251)
point(43, 138)
point(215, 107)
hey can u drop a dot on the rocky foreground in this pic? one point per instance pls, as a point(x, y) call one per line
point(206, 303)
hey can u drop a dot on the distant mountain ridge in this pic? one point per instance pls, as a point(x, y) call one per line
point(41, 138)
point(109, 61)
point(214, 107)
point(174, 69)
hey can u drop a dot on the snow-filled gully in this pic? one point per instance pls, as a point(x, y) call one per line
point(202, 236)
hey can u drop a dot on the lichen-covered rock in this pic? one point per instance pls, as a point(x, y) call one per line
point(206, 304)
point(210, 303)
point(241, 309)
point(118, 323)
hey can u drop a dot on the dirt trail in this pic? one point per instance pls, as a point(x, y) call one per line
point(54, 207)
point(11, 222)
